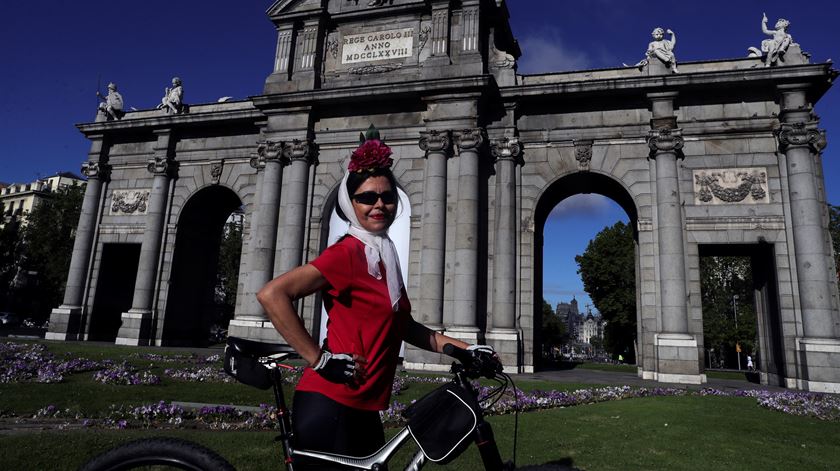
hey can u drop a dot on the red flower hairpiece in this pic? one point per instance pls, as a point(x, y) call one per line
point(372, 154)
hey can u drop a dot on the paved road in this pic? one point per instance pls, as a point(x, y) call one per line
point(615, 378)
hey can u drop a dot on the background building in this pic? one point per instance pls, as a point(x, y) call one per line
point(21, 198)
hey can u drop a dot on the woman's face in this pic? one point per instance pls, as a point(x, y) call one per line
point(375, 216)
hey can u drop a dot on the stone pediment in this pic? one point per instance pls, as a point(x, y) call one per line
point(286, 7)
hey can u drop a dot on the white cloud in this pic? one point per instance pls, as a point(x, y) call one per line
point(582, 205)
point(544, 52)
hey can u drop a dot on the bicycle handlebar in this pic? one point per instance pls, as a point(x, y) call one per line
point(476, 363)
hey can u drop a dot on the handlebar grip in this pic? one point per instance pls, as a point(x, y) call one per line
point(458, 353)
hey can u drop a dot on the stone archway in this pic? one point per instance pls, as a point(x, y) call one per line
point(190, 308)
point(564, 187)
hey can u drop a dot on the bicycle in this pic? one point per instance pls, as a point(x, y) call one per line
point(441, 423)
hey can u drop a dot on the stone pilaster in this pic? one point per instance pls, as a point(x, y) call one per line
point(503, 334)
point(801, 141)
point(137, 322)
point(438, 148)
point(678, 358)
point(465, 289)
point(300, 154)
point(269, 163)
point(66, 320)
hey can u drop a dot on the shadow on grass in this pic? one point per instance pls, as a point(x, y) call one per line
point(563, 464)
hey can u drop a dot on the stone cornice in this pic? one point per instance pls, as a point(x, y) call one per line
point(169, 121)
point(819, 77)
point(363, 94)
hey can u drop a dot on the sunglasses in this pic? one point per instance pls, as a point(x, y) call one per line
point(370, 197)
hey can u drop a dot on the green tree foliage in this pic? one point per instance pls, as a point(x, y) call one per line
point(722, 279)
point(608, 270)
point(228, 269)
point(553, 329)
point(47, 248)
point(10, 252)
point(834, 229)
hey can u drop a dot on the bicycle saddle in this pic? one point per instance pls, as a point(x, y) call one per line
point(257, 349)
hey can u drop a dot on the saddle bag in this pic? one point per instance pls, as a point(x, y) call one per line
point(442, 422)
point(243, 366)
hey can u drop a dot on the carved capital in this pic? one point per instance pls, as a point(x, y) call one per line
point(298, 149)
point(506, 148)
point(801, 135)
point(267, 151)
point(665, 140)
point(468, 139)
point(435, 141)
point(162, 166)
point(583, 153)
point(97, 170)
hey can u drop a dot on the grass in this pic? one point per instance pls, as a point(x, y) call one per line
point(688, 432)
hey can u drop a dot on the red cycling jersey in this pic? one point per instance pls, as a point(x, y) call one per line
point(361, 321)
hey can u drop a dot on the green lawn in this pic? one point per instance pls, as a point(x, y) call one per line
point(688, 432)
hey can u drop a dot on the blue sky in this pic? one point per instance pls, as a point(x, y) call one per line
point(53, 54)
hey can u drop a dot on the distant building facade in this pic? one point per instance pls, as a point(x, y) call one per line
point(21, 198)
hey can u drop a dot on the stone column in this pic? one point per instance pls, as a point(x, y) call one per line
point(507, 153)
point(503, 335)
point(269, 163)
point(678, 358)
point(664, 145)
point(136, 323)
point(438, 146)
point(65, 320)
point(299, 155)
point(801, 140)
point(465, 287)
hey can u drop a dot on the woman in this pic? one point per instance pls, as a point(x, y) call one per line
point(349, 379)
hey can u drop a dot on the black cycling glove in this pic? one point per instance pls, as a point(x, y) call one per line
point(336, 367)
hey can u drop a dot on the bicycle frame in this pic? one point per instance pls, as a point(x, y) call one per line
point(483, 434)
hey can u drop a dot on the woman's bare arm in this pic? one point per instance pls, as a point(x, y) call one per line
point(277, 296)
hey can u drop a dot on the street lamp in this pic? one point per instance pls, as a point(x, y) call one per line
point(735, 309)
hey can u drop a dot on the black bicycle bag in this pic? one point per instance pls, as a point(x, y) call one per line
point(241, 361)
point(442, 422)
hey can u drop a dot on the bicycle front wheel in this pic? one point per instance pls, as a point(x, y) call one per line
point(168, 453)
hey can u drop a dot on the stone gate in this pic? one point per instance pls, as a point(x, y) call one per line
point(721, 157)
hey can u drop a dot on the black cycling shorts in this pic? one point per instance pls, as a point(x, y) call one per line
point(321, 424)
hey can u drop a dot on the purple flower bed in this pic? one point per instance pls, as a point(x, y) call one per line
point(21, 363)
point(208, 374)
point(125, 375)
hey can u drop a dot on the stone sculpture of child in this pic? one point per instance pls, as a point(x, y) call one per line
point(776, 47)
point(112, 104)
point(662, 49)
point(172, 100)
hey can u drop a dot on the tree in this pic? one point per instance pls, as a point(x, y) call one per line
point(227, 274)
point(608, 270)
point(726, 290)
point(47, 248)
point(834, 230)
point(10, 252)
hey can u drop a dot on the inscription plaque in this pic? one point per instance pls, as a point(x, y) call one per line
point(377, 46)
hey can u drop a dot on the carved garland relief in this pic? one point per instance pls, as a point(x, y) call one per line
point(731, 185)
point(129, 202)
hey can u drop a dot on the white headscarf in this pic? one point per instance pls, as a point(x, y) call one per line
point(378, 246)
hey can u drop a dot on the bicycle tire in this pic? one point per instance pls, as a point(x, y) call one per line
point(172, 452)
